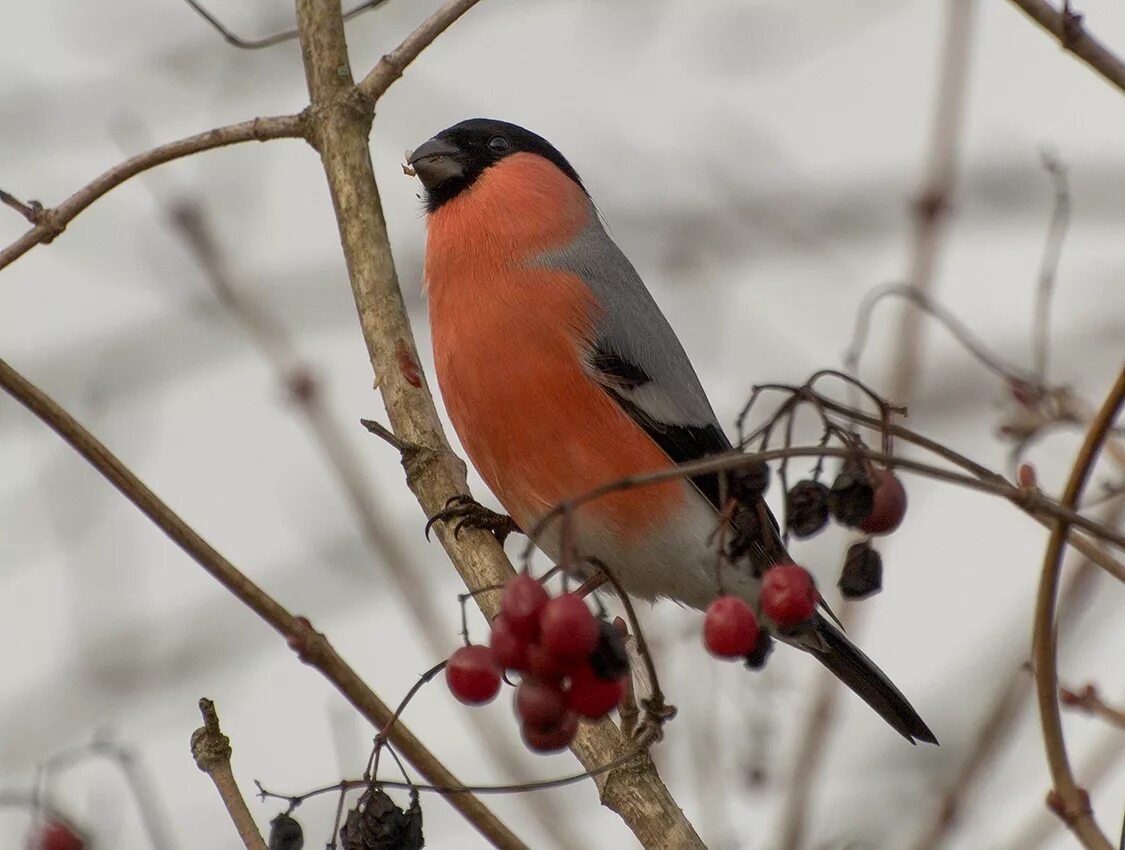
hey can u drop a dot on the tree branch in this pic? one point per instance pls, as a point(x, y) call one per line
point(1067, 27)
point(1089, 700)
point(51, 221)
point(211, 750)
point(312, 647)
point(391, 66)
point(1073, 803)
point(341, 116)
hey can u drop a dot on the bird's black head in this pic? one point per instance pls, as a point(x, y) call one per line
point(451, 161)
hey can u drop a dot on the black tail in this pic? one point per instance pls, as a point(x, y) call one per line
point(859, 673)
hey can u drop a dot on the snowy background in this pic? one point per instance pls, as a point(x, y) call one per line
point(757, 162)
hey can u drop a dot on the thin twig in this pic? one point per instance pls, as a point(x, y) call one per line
point(1090, 701)
point(53, 220)
point(269, 40)
point(1049, 266)
point(1035, 504)
point(926, 303)
point(1067, 27)
point(211, 750)
point(391, 66)
point(637, 754)
point(32, 210)
point(1073, 803)
point(313, 648)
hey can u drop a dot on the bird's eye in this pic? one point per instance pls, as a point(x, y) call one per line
point(499, 144)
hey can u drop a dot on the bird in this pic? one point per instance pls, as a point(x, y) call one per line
point(560, 373)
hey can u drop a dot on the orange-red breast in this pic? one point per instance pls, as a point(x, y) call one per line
point(560, 373)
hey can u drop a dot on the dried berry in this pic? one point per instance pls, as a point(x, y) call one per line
point(789, 596)
point(863, 572)
point(473, 675)
point(806, 508)
point(609, 658)
point(889, 503)
point(852, 496)
point(756, 658)
point(590, 695)
point(729, 628)
point(286, 833)
point(747, 484)
point(376, 823)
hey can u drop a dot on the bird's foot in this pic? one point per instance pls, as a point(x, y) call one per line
point(470, 513)
point(655, 714)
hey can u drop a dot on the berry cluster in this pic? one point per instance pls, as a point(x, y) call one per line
point(863, 496)
point(571, 663)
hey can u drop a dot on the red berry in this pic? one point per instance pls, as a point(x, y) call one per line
point(590, 695)
point(889, 505)
point(567, 629)
point(540, 703)
point(57, 835)
point(473, 675)
point(541, 663)
point(789, 596)
point(550, 739)
point(730, 629)
point(521, 604)
point(509, 650)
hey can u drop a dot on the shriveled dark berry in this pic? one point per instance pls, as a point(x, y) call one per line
point(756, 659)
point(806, 508)
point(376, 823)
point(862, 575)
point(748, 483)
point(609, 659)
point(852, 496)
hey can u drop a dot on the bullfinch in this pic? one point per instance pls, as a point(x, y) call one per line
point(560, 373)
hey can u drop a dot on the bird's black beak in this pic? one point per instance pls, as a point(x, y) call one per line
point(436, 161)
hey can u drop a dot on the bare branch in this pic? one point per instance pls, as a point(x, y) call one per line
point(211, 750)
point(1067, 27)
point(53, 220)
point(1070, 802)
point(391, 66)
point(1089, 700)
point(32, 210)
point(269, 40)
point(312, 647)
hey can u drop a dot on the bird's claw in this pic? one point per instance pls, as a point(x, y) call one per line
point(650, 729)
point(469, 513)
